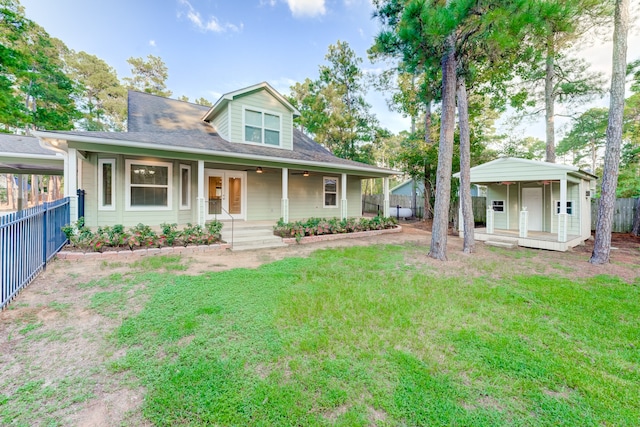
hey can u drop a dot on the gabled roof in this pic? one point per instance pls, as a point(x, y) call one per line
point(224, 99)
point(158, 123)
point(516, 169)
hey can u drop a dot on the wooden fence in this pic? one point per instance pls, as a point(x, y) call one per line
point(622, 215)
point(28, 240)
point(622, 218)
point(374, 202)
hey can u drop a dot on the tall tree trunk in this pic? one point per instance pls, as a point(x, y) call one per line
point(602, 244)
point(549, 99)
point(465, 168)
point(428, 191)
point(440, 225)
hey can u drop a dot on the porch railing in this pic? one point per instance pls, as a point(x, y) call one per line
point(215, 208)
point(28, 240)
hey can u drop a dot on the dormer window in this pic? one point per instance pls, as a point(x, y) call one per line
point(261, 127)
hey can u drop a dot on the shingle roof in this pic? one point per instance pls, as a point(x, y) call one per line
point(174, 124)
point(21, 144)
point(23, 154)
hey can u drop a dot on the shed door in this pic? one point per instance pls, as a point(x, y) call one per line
point(532, 200)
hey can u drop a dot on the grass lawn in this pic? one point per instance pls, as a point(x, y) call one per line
point(364, 336)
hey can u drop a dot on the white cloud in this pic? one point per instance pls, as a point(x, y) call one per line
point(310, 8)
point(268, 2)
point(152, 43)
point(212, 24)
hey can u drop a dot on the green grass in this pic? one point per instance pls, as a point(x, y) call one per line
point(36, 401)
point(358, 336)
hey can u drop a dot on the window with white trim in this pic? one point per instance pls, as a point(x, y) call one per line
point(185, 187)
point(497, 205)
point(106, 184)
point(261, 127)
point(148, 185)
point(569, 207)
point(330, 192)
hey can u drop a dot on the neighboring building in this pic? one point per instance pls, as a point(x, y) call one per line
point(179, 162)
point(544, 205)
point(409, 186)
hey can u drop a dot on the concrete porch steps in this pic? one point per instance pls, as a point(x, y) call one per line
point(251, 235)
point(502, 242)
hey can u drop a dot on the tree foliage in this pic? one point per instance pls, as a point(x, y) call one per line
point(333, 107)
point(586, 138)
point(102, 99)
point(148, 75)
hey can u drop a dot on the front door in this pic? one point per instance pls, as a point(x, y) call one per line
point(532, 200)
point(225, 194)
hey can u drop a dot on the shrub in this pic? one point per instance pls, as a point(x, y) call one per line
point(139, 236)
point(320, 226)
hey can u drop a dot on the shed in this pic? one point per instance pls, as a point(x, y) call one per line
point(536, 204)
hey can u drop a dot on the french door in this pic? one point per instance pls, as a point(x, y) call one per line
point(226, 194)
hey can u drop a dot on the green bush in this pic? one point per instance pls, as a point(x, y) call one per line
point(320, 226)
point(139, 236)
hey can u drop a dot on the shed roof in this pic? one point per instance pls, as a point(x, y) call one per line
point(516, 169)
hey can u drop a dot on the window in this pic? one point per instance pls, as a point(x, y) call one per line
point(330, 189)
point(148, 185)
point(106, 184)
point(261, 127)
point(569, 207)
point(185, 187)
point(497, 205)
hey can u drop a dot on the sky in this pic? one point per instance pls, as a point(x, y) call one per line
point(212, 47)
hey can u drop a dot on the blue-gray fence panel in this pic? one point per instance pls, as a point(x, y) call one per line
point(28, 240)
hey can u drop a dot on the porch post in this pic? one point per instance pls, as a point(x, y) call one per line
point(524, 223)
point(285, 195)
point(343, 202)
point(201, 205)
point(490, 220)
point(385, 191)
point(562, 215)
point(71, 183)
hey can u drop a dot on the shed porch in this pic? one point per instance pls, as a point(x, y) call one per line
point(534, 239)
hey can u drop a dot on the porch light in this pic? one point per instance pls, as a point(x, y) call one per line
point(258, 169)
point(305, 173)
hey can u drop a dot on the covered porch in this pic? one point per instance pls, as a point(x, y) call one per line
point(534, 204)
point(534, 239)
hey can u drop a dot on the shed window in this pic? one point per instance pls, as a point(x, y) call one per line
point(497, 205)
point(569, 207)
point(148, 185)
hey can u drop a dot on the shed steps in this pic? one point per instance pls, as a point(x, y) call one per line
point(502, 243)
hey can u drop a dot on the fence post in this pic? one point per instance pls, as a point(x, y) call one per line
point(44, 235)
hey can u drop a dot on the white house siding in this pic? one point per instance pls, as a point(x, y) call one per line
point(515, 171)
point(573, 221)
point(306, 197)
point(261, 100)
point(498, 192)
point(264, 195)
point(221, 123)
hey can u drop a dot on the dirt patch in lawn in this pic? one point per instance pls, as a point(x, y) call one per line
point(55, 333)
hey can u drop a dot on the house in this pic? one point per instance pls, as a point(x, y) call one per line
point(408, 187)
point(241, 159)
point(535, 204)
